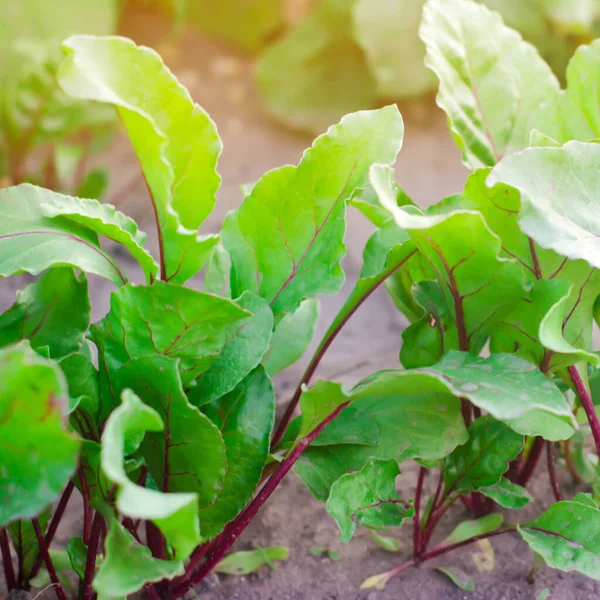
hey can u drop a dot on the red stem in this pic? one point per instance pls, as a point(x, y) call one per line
point(90, 563)
point(9, 572)
point(552, 472)
point(237, 526)
point(87, 516)
point(588, 405)
point(417, 517)
point(155, 539)
point(54, 523)
point(60, 593)
point(531, 462)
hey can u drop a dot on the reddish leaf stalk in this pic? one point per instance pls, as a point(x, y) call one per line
point(531, 463)
point(90, 563)
point(588, 405)
point(552, 472)
point(155, 539)
point(87, 517)
point(417, 517)
point(237, 526)
point(60, 593)
point(9, 572)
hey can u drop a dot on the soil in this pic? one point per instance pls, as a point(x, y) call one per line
point(429, 168)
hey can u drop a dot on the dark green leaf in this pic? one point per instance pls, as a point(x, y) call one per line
point(77, 552)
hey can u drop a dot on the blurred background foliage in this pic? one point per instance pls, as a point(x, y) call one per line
point(315, 61)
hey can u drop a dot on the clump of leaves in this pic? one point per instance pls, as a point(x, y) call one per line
point(168, 434)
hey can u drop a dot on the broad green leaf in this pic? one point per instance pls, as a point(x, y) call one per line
point(24, 541)
point(243, 563)
point(482, 461)
point(245, 418)
point(188, 454)
point(367, 202)
point(31, 242)
point(388, 32)
point(509, 388)
point(567, 536)
point(586, 499)
point(168, 320)
point(54, 312)
point(175, 140)
point(469, 529)
point(507, 494)
point(487, 90)
point(38, 453)
point(82, 381)
point(389, 544)
point(127, 565)
point(248, 24)
point(368, 497)
point(217, 274)
point(316, 73)
point(292, 336)
point(103, 219)
point(176, 515)
point(458, 577)
point(552, 324)
point(479, 286)
point(286, 239)
point(240, 355)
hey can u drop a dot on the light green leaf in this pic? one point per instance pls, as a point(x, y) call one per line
point(368, 497)
point(176, 515)
point(567, 536)
point(217, 274)
point(316, 73)
point(482, 461)
point(243, 563)
point(94, 185)
point(103, 219)
point(458, 577)
point(127, 565)
point(286, 239)
point(469, 529)
point(479, 286)
point(388, 32)
point(292, 336)
point(54, 312)
point(507, 494)
point(24, 541)
point(38, 453)
point(586, 499)
point(175, 140)
point(240, 355)
point(487, 90)
point(376, 581)
point(572, 17)
point(31, 242)
point(164, 319)
point(389, 544)
point(245, 418)
point(188, 454)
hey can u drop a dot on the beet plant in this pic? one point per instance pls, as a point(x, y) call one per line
point(161, 415)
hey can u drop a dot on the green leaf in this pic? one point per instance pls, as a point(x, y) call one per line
point(24, 541)
point(286, 239)
point(479, 286)
point(552, 324)
point(376, 581)
point(82, 381)
point(38, 453)
point(388, 32)
point(254, 23)
point(94, 185)
point(127, 565)
point(31, 242)
point(586, 499)
point(176, 515)
point(164, 319)
point(103, 219)
point(507, 494)
point(175, 140)
point(291, 337)
point(567, 536)
point(509, 388)
point(483, 460)
point(217, 274)
point(458, 577)
point(245, 418)
point(240, 355)
point(316, 73)
point(368, 497)
point(469, 529)
point(54, 312)
point(243, 563)
point(389, 544)
point(77, 552)
point(544, 594)
point(188, 454)
point(487, 90)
